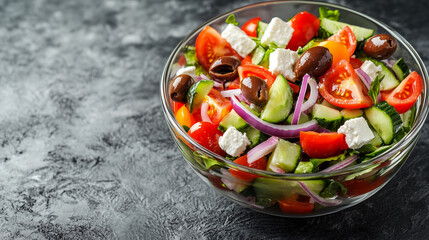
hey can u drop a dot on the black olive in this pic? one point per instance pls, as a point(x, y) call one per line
point(179, 87)
point(255, 90)
point(225, 68)
point(315, 61)
point(380, 46)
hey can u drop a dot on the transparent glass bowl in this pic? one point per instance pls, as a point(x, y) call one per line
point(362, 180)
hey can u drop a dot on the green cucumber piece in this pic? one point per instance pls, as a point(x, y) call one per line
point(197, 92)
point(304, 167)
point(389, 81)
point(258, 55)
point(375, 143)
point(261, 29)
point(232, 119)
point(253, 134)
point(408, 117)
point(280, 99)
point(351, 113)
point(256, 113)
point(401, 69)
point(384, 119)
point(312, 43)
point(327, 117)
point(302, 119)
point(317, 161)
point(268, 191)
point(328, 104)
point(286, 156)
point(331, 27)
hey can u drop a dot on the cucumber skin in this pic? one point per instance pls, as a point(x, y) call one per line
point(401, 69)
point(194, 93)
point(331, 124)
point(391, 113)
point(361, 33)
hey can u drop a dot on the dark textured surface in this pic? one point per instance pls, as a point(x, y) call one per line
point(85, 152)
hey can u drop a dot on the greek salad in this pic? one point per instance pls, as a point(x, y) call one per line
point(305, 95)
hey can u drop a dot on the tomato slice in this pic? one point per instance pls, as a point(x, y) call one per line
point(260, 164)
point(356, 63)
point(207, 134)
point(342, 87)
point(403, 97)
point(246, 60)
point(184, 117)
point(209, 46)
point(251, 26)
point(177, 106)
point(234, 84)
point(255, 70)
point(296, 204)
point(322, 145)
point(358, 187)
point(338, 50)
point(305, 26)
point(218, 106)
point(346, 37)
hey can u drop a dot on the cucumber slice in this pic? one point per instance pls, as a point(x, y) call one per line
point(408, 117)
point(328, 104)
point(304, 167)
point(285, 156)
point(331, 27)
point(351, 113)
point(327, 117)
point(261, 29)
point(198, 92)
point(317, 161)
point(280, 99)
point(268, 191)
point(401, 69)
point(232, 120)
point(384, 119)
point(389, 81)
point(256, 113)
point(258, 55)
point(302, 119)
point(253, 134)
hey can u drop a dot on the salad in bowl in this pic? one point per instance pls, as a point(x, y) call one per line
point(297, 112)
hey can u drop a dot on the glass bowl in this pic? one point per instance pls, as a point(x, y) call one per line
point(362, 180)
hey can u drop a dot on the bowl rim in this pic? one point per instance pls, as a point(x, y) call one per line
point(421, 113)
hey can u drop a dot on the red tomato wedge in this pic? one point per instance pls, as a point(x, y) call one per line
point(251, 27)
point(403, 97)
point(207, 134)
point(177, 106)
point(260, 164)
point(219, 106)
point(322, 145)
point(356, 63)
point(342, 87)
point(305, 26)
point(296, 204)
point(255, 70)
point(346, 37)
point(184, 117)
point(234, 84)
point(209, 46)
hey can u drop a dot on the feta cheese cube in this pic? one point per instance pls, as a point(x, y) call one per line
point(282, 62)
point(191, 71)
point(371, 69)
point(357, 132)
point(233, 142)
point(238, 40)
point(277, 32)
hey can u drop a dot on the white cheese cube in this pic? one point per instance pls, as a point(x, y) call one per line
point(357, 132)
point(282, 62)
point(277, 32)
point(371, 69)
point(191, 71)
point(234, 142)
point(238, 40)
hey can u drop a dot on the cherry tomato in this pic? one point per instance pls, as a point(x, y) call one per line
point(322, 145)
point(296, 204)
point(207, 134)
point(184, 117)
point(403, 97)
point(305, 26)
point(338, 50)
point(251, 27)
point(342, 87)
point(246, 60)
point(260, 164)
point(358, 187)
point(234, 84)
point(177, 106)
point(218, 106)
point(346, 37)
point(255, 70)
point(356, 63)
point(209, 46)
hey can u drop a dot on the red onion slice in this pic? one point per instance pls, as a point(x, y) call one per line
point(229, 93)
point(262, 149)
point(277, 169)
point(314, 95)
point(319, 199)
point(300, 100)
point(282, 131)
point(204, 115)
point(341, 164)
point(365, 78)
point(242, 98)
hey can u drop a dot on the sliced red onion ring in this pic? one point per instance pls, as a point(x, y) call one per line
point(204, 115)
point(365, 78)
point(242, 98)
point(229, 93)
point(300, 100)
point(319, 199)
point(262, 149)
point(341, 164)
point(389, 62)
point(314, 95)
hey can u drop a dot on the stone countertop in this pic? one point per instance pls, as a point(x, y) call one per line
point(85, 151)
